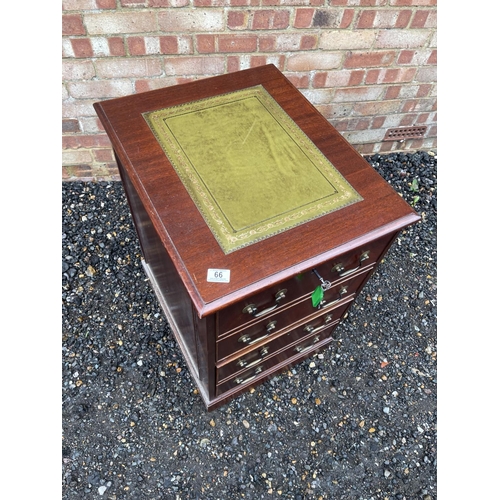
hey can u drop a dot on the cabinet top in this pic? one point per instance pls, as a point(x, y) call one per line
point(239, 173)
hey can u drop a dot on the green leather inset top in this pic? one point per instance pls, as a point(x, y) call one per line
point(248, 167)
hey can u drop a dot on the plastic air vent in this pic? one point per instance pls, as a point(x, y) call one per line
point(403, 133)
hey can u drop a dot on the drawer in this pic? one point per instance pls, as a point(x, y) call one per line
point(270, 301)
point(269, 349)
point(276, 326)
point(247, 376)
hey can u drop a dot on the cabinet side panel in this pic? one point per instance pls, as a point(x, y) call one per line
point(166, 282)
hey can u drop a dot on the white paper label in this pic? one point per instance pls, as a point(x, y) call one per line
point(218, 275)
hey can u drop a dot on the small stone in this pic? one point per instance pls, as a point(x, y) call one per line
point(294, 401)
point(212, 423)
point(90, 271)
point(102, 489)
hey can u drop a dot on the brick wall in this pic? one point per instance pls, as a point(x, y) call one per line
point(367, 65)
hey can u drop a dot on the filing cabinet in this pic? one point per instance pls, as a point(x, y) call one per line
point(258, 222)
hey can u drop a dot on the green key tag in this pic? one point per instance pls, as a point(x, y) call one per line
point(317, 296)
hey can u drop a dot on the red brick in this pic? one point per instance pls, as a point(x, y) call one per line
point(414, 3)
point(243, 3)
point(78, 4)
point(116, 46)
point(92, 89)
point(356, 77)
point(136, 45)
point(85, 141)
point(360, 124)
point(402, 38)
point(70, 126)
point(237, 43)
point(419, 19)
point(432, 58)
point(368, 59)
point(365, 149)
point(308, 42)
point(376, 108)
point(319, 79)
point(133, 3)
point(106, 4)
point(299, 81)
point(303, 18)
point(267, 43)
point(422, 118)
point(124, 67)
point(332, 79)
point(270, 19)
point(233, 64)
point(192, 20)
point(187, 66)
point(372, 76)
point(378, 122)
point(347, 18)
point(326, 18)
point(205, 44)
point(409, 105)
point(407, 120)
point(72, 24)
point(120, 21)
point(73, 69)
point(237, 19)
point(167, 3)
point(403, 19)
point(104, 155)
point(406, 56)
point(357, 94)
point(385, 147)
point(277, 60)
point(169, 45)
point(82, 47)
point(392, 92)
point(424, 90)
point(366, 19)
point(307, 61)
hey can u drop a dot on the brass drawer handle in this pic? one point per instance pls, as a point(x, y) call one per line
point(339, 268)
point(312, 329)
point(252, 310)
point(301, 348)
point(241, 381)
point(246, 339)
point(342, 291)
point(271, 326)
point(244, 363)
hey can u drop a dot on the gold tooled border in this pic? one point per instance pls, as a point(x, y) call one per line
point(228, 241)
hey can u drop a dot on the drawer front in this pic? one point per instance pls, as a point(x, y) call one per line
point(270, 301)
point(275, 327)
point(269, 349)
point(249, 375)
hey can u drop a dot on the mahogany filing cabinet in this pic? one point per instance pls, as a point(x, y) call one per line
point(258, 222)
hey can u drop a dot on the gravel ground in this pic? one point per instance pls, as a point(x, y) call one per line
point(355, 422)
